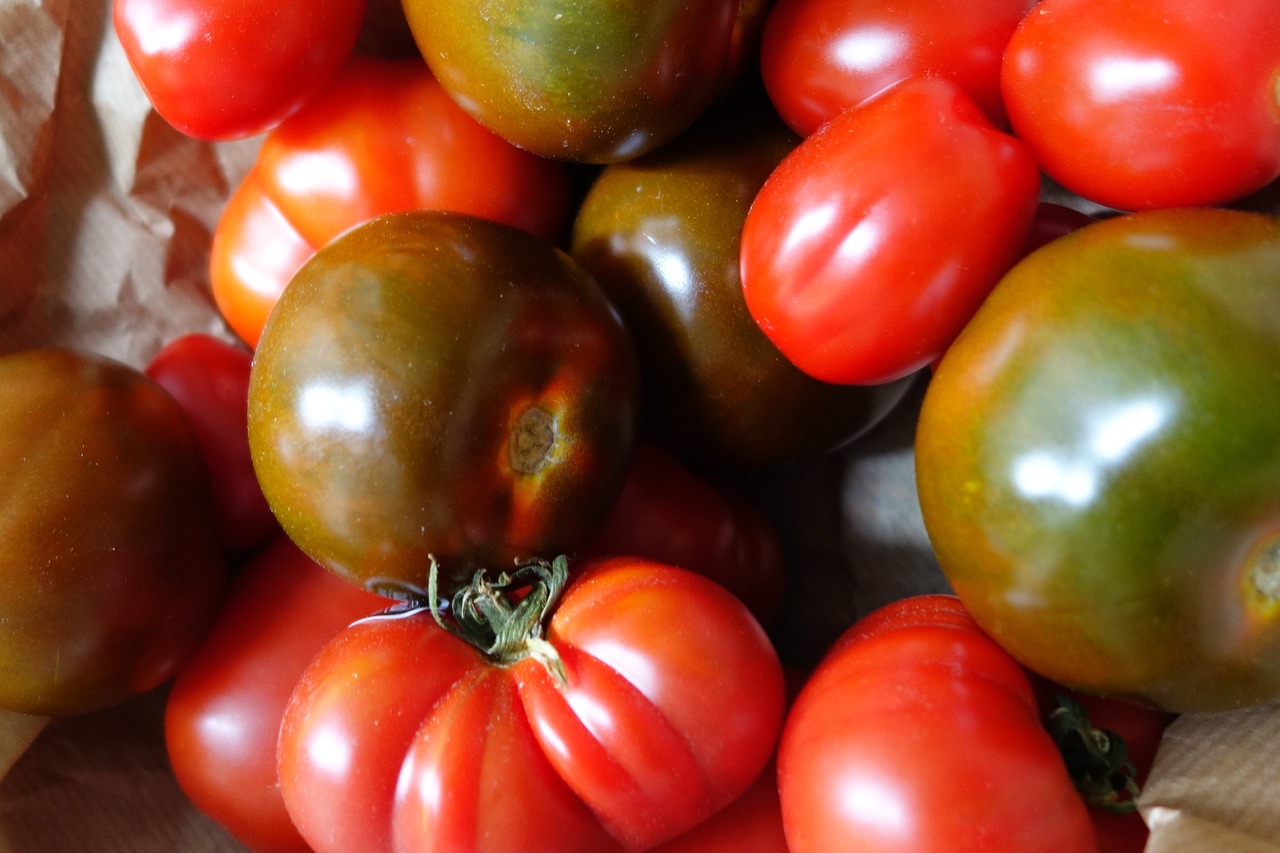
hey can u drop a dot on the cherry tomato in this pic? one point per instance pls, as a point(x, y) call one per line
point(650, 700)
point(1140, 104)
point(856, 259)
point(383, 138)
point(916, 732)
point(820, 56)
point(223, 712)
point(110, 568)
point(209, 377)
point(1097, 465)
point(584, 80)
point(670, 515)
point(661, 233)
point(227, 69)
point(433, 383)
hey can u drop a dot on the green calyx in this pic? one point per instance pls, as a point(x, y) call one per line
point(505, 617)
point(1097, 759)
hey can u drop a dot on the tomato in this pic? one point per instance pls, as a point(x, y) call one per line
point(671, 515)
point(1053, 220)
point(110, 565)
point(917, 732)
point(223, 712)
point(383, 138)
point(1130, 103)
point(583, 80)
point(209, 377)
point(1097, 465)
point(661, 233)
point(649, 700)
point(856, 261)
point(750, 824)
point(433, 383)
point(820, 56)
point(228, 69)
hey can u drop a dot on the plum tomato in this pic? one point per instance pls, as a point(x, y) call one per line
point(436, 384)
point(110, 567)
point(1097, 462)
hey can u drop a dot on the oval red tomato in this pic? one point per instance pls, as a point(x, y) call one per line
point(383, 138)
point(916, 732)
point(819, 56)
point(227, 69)
point(650, 700)
point(1140, 104)
point(874, 241)
point(223, 712)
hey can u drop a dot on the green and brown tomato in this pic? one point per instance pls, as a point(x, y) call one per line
point(436, 384)
point(111, 570)
point(661, 235)
point(1098, 465)
point(585, 80)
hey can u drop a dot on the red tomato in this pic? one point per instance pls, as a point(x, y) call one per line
point(652, 700)
point(819, 56)
point(210, 380)
point(1052, 221)
point(750, 824)
point(223, 713)
point(916, 732)
point(1142, 104)
point(874, 241)
point(670, 515)
point(226, 69)
point(383, 138)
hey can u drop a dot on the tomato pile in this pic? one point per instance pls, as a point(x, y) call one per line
point(449, 543)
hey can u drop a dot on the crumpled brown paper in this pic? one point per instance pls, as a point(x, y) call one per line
point(106, 214)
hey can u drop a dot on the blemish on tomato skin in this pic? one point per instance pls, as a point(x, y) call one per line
point(532, 440)
point(1264, 574)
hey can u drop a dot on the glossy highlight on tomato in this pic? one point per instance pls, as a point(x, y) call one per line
point(1097, 465)
point(433, 384)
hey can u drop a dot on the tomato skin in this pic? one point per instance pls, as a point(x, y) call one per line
point(643, 645)
point(1129, 104)
point(661, 233)
point(384, 137)
point(209, 377)
point(671, 515)
point(110, 568)
point(228, 69)
point(223, 712)
point(820, 56)
point(853, 261)
point(433, 383)
point(1103, 432)
point(583, 80)
point(916, 732)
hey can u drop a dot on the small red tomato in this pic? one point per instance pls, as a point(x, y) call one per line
point(228, 69)
point(209, 378)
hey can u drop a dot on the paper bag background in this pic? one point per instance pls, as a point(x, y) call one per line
point(106, 215)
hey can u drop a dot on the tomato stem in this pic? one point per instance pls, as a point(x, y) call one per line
point(506, 627)
point(1097, 759)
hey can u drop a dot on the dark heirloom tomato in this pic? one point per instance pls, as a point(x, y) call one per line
point(1098, 466)
point(662, 236)
point(383, 138)
point(110, 567)
point(222, 716)
point(436, 383)
point(1138, 104)
point(856, 259)
point(590, 80)
point(820, 56)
